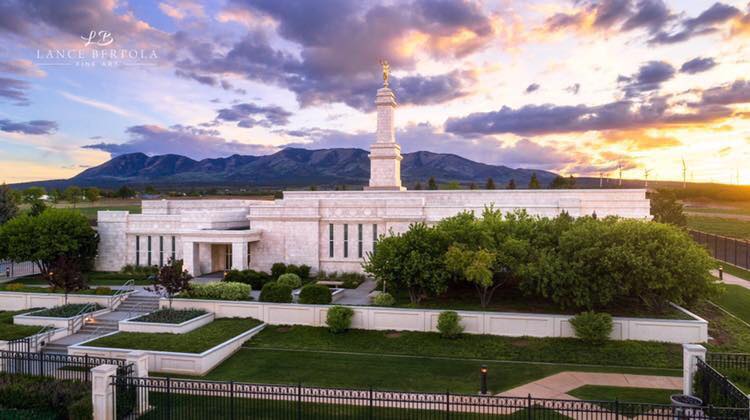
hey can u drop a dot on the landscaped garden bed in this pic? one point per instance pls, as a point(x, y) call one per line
point(10, 331)
point(167, 320)
point(66, 311)
point(96, 278)
point(22, 288)
point(170, 316)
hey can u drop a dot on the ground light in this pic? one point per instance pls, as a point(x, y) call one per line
point(483, 380)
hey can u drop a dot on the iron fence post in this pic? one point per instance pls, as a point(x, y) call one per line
point(231, 399)
point(169, 399)
point(299, 401)
point(529, 408)
point(617, 408)
point(447, 404)
point(370, 413)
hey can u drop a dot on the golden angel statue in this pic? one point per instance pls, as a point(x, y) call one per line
point(386, 70)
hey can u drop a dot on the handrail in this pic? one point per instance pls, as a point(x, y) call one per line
point(126, 288)
point(45, 332)
point(135, 309)
point(80, 317)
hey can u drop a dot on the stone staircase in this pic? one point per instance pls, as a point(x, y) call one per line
point(139, 303)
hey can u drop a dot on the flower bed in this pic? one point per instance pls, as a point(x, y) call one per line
point(173, 321)
point(66, 311)
point(170, 316)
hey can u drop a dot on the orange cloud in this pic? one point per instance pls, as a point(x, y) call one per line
point(639, 139)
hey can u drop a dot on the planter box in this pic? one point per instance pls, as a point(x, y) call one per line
point(57, 334)
point(173, 362)
point(18, 301)
point(51, 321)
point(510, 324)
point(129, 325)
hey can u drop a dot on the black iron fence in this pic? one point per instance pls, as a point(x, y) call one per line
point(716, 389)
point(722, 361)
point(59, 366)
point(166, 398)
point(729, 250)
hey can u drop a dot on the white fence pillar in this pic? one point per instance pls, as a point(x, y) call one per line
point(690, 355)
point(102, 393)
point(139, 359)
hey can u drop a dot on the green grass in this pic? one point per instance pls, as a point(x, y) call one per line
point(171, 316)
point(726, 227)
point(9, 331)
point(624, 394)
point(196, 341)
point(736, 300)
point(186, 407)
point(90, 212)
point(721, 210)
point(510, 299)
point(468, 346)
point(735, 271)
point(95, 278)
point(67, 311)
point(404, 373)
point(38, 289)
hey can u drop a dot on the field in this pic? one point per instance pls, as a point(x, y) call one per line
point(733, 228)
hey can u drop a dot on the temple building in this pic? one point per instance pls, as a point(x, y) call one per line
point(327, 230)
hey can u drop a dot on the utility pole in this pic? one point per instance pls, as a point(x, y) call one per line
point(684, 174)
point(619, 166)
point(646, 172)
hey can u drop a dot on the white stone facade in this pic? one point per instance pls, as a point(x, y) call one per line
point(327, 230)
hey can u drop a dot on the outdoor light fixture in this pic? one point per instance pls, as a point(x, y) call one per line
point(721, 273)
point(483, 380)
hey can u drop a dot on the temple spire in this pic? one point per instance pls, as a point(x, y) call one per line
point(385, 153)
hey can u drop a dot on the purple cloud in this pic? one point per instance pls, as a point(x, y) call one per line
point(649, 77)
point(35, 127)
point(532, 87)
point(14, 90)
point(249, 115)
point(698, 65)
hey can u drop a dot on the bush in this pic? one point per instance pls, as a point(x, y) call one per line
point(277, 269)
point(68, 310)
point(219, 291)
point(384, 299)
point(304, 272)
point(14, 287)
point(449, 324)
point(339, 319)
point(103, 291)
point(67, 399)
point(256, 279)
point(592, 327)
point(275, 292)
point(291, 280)
point(351, 280)
point(139, 270)
point(315, 294)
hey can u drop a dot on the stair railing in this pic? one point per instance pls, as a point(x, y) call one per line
point(77, 321)
point(121, 294)
point(40, 339)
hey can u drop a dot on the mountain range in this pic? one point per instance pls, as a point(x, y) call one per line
point(289, 167)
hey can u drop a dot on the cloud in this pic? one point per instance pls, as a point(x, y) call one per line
point(248, 115)
point(97, 104)
point(21, 68)
point(574, 88)
point(705, 23)
point(35, 127)
point(698, 65)
point(649, 77)
point(737, 92)
point(188, 141)
point(180, 9)
point(612, 15)
point(639, 139)
point(532, 87)
point(14, 90)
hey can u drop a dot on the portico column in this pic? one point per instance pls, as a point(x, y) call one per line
point(239, 256)
point(190, 258)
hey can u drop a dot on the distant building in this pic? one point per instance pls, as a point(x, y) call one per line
point(327, 230)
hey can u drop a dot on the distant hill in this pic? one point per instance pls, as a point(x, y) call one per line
point(289, 167)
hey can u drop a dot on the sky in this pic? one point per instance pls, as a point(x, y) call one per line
point(579, 87)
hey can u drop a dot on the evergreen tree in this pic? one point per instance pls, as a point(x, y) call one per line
point(432, 184)
point(490, 185)
point(511, 184)
point(534, 182)
point(8, 204)
point(472, 186)
point(418, 186)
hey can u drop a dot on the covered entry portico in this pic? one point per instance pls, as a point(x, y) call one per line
point(210, 250)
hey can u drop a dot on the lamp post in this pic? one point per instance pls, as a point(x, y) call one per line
point(721, 273)
point(483, 380)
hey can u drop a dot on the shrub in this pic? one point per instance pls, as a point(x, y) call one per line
point(304, 272)
point(14, 287)
point(351, 280)
point(219, 291)
point(384, 299)
point(339, 319)
point(275, 292)
point(139, 270)
point(277, 269)
point(592, 327)
point(68, 310)
point(103, 291)
point(315, 294)
point(449, 324)
point(291, 280)
point(256, 279)
point(66, 399)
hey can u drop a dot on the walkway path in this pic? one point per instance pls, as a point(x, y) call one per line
point(730, 279)
point(358, 296)
point(557, 386)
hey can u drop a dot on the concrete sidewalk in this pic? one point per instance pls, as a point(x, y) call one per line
point(557, 386)
point(731, 279)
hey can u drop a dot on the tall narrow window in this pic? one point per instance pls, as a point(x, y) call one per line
point(330, 240)
point(248, 255)
point(228, 256)
point(161, 251)
point(359, 240)
point(137, 250)
point(148, 252)
point(174, 249)
point(374, 237)
point(346, 241)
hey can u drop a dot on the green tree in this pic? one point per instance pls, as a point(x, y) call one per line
point(666, 209)
point(152, 191)
point(44, 238)
point(171, 280)
point(534, 182)
point(37, 207)
point(411, 261)
point(33, 194)
point(432, 184)
point(562, 183)
point(92, 194)
point(490, 185)
point(125, 192)
point(56, 195)
point(8, 204)
point(73, 194)
point(65, 274)
point(511, 184)
point(418, 186)
point(453, 185)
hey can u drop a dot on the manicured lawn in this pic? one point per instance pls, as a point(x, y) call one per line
point(486, 347)
point(720, 226)
point(736, 300)
point(391, 372)
point(196, 341)
point(37, 289)
point(95, 278)
point(735, 271)
point(722, 210)
point(9, 331)
point(728, 334)
point(510, 299)
point(69, 310)
point(624, 394)
point(198, 408)
point(90, 212)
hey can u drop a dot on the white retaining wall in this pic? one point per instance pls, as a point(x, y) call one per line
point(173, 362)
point(492, 323)
point(18, 301)
point(130, 325)
point(51, 321)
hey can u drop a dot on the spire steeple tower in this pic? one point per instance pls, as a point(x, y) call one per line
point(385, 153)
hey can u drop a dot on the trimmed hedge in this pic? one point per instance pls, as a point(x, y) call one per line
point(275, 292)
point(218, 291)
point(291, 280)
point(384, 299)
point(592, 327)
point(279, 268)
point(34, 396)
point(449, 324)
point(315, 294)
point(339, 319)
point(256, 279)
